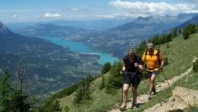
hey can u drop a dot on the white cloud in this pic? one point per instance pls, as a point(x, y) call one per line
point(74, 9)
point(153, 8)
point(106, 16)
point(15, 16)
point(195, 2)
point(50, 15)
point(119, 15)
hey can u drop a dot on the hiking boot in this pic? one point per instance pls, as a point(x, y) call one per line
point(134, 106)
point(150, 95)
point(154, 91)
point(123, 106)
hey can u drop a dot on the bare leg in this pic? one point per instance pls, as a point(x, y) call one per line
point(124, 96)
point(134, 92)
point(125, 92)
point(152, 82)
point(134, 104)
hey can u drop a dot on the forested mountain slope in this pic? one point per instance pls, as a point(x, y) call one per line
point(48, 67)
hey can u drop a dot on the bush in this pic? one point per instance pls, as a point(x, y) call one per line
point(165, 61)
point(106, 68)
point(188, 30)
point(114, 80)
point(195, 66)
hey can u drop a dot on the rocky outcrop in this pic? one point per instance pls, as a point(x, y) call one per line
point(181, 101)
point(188, 96)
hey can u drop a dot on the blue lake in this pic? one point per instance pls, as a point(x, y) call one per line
point(81, 48)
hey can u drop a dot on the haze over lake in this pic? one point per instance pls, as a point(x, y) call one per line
point(78, 47)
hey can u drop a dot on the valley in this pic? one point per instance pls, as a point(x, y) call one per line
point(48, 67)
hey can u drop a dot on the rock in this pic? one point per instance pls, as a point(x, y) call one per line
point(189, 96)
point(181, 101)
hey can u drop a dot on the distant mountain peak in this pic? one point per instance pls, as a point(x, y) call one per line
point(193, 20)
point(144, 18)
point(3, 28)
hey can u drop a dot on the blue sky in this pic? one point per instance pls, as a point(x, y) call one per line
point(47, 10)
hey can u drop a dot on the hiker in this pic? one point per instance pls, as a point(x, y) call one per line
point(154, 61)
point(131, 69)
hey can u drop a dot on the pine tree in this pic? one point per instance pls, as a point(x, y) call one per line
point(84, 93)
point(78, 96)
point(66, 109)
point(6, 92)
point(106, 68)
point(114, 80)
point(195, 66)
point(175, 32)
point(141, 48)
point(188, 30)
point(155, 40)
point(102, 85)
point(19, 101)
point(186, 33)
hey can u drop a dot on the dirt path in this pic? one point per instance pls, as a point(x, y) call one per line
point(143, 98)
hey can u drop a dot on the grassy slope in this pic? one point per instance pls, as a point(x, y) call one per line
point(179, 53)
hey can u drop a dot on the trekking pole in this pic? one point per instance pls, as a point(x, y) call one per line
point(165, 77)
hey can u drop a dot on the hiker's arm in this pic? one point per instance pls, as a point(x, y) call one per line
point(162, 63)
point(123, 69)
point(139, 64)
point(143, 57)
point(162, 60)
point(140, 68)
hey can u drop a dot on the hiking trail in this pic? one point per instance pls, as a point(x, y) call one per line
point(143, 98)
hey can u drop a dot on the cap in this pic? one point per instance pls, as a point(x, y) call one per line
point(131, 52)
point(150, 45)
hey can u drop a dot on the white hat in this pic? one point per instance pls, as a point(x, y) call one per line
point(150, 45)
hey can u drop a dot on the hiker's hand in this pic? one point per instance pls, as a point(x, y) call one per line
point(121, 72)
point(160, 67)
point(136, 64)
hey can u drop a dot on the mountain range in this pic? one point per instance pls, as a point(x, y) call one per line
point(128, 34)
point(193, 20)
point(117, 40)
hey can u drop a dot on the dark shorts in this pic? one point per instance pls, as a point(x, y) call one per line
point(131, 78)
point(152, 73)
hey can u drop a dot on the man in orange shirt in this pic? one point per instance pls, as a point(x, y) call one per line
point(154, 61)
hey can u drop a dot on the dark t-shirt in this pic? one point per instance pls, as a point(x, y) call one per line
point(130, 65)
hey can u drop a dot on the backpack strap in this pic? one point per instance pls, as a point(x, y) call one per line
point(158, 52)
point(145, 53)
point(158, 57)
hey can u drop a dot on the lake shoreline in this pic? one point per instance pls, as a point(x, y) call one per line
point(78, 47)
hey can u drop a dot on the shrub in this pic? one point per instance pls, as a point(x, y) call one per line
point(114, 80)
point(195, 66)
point(106, 68)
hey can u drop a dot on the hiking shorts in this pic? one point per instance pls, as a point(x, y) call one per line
point(152, 73)
point(131, 78)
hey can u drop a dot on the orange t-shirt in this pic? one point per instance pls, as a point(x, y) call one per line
point(151, 60)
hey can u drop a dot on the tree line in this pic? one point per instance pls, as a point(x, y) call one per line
point(165, 38)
